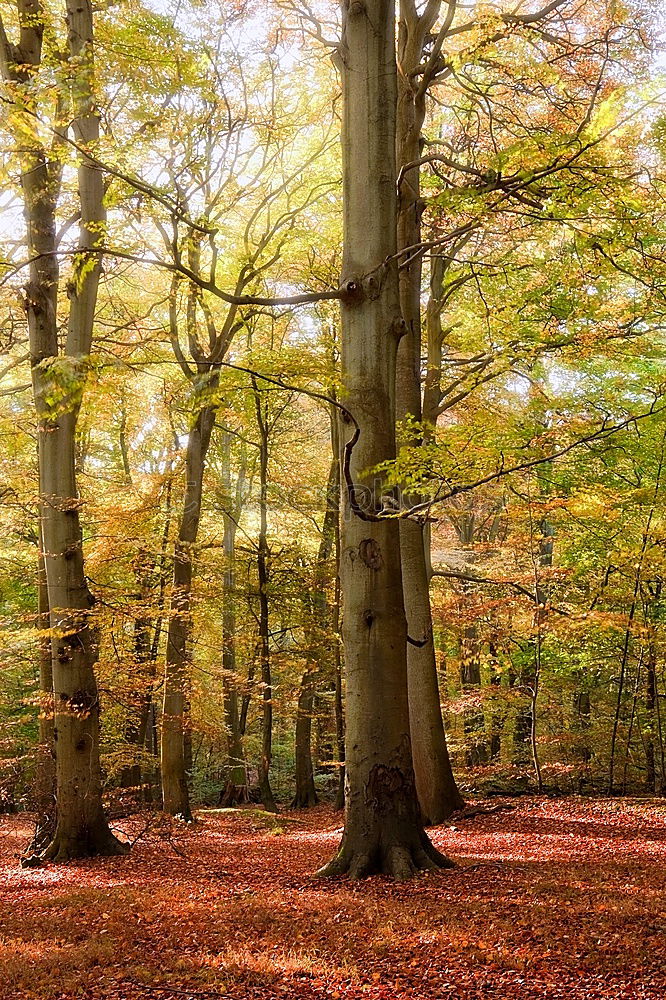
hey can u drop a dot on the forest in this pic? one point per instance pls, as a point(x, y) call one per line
point(332, 499)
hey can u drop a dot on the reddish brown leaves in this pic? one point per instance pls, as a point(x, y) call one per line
point(555, 899)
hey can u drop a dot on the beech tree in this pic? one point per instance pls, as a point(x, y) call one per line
point(383, 828)
point(437, 791)
point(58, 378)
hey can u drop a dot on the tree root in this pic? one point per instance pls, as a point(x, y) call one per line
point(398, 861)
point(65, 848)
point(305, 800)
point(234, 795)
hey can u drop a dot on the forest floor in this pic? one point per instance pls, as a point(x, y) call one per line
point(555, 898)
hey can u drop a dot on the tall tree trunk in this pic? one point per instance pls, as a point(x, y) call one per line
point(435, 784)
point(236, 787)
point(44, 789)
point(497, 713)
point(654, 751)
point(306, 794)
point(263, 554)
point(81, 828)
point(337, 650)
point(144, 668)
point(175, 795)
point(383, 828)
point(320, 618)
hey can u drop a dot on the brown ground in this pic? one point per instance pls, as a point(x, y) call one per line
point(554, 899)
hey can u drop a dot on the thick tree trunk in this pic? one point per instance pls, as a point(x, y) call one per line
point(175, 795)
point(81, 828)
point(383, 828)
point(435, 784)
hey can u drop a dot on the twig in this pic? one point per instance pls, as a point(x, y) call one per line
point(481, 811)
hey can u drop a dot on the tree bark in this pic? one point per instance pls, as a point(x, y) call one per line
point(236, 788)
point(44, 788)
point(81, 828)
point(383, 829)
point(435, 784)
point(263, 555)
point(175, 795)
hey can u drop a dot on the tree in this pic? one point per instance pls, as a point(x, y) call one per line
point(383, 830)
point(436, 787)
point(306, 794)
point(58, 378)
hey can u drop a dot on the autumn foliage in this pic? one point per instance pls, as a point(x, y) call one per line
point(549, 899)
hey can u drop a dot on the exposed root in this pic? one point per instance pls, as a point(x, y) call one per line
point(42, 837)
point(398, 861)
point(304, 800)
point(63, 848)
point(234, 795)
point(32, 861)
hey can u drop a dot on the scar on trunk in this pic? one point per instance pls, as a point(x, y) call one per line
point(384, 784)
point(371, 554)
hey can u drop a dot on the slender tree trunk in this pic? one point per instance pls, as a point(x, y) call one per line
point(319, 613)
point(470, 676)
point(435, 784)
point(263, 554)
point(497, 714)
point(175, 793)
point(306, 794)
point(654, 775)
point(628, 635)
point(44, 789)
point(236, 787)
point(333, 504)
point(337, 667)
point(383, 828)
point(144, 672)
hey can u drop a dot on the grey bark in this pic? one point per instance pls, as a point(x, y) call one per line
point(436, 787)
point(236, 788)
point(81, 827)
point(383, 829)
